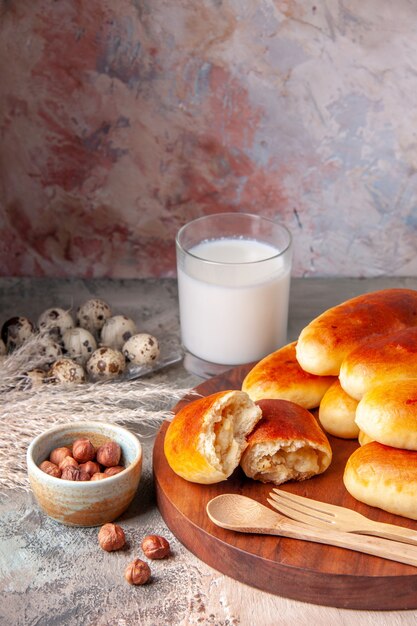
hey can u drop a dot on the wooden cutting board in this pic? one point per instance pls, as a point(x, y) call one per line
point(294, 569)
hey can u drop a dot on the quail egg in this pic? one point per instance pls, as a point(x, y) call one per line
point(33, 378)
point(141, 349)
point(55, 322)
point(79, 344)
point(66, 371)
point(48, 349)
point(92, 315)
point(106, 363)
point(15, 331)
point(117, 330)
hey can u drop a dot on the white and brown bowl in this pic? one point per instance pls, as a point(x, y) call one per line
point(85, 503)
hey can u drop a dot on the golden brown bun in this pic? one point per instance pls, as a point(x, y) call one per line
point(384, 477)
point(388, 414)
point(287, 444)
point(206, 438)
point(380, 360)
point(337, 413)
point(327, 340)
point(280, 376)
point(363, 438)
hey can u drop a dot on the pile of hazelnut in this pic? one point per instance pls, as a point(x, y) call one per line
point(82, 461)
point(97, 345)
point(111, 537)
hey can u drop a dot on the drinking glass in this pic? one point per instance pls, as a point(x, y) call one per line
point(233, 274)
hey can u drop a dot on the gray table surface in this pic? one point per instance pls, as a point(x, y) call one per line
point(51, 574)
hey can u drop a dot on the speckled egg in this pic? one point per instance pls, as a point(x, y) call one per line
point(106, 363)
point(33, 378)
point(15, 331)
point(48, 349)
point(55, 322)
point(79, 344)
point(92, 315)
point(141, 349)
point(66, 371)
point(117, 330)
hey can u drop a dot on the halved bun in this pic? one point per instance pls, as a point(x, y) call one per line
point(388, 414)
point(279, 376)
point(337, 413)
point(384, 477)
point(287, 444)
point(206, 438)
point(380, 360)
point(326, 341)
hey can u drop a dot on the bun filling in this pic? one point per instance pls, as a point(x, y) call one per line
point(223, 436)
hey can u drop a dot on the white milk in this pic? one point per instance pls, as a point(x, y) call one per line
point(233, 313)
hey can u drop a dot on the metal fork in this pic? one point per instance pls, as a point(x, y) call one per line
point(324, 515)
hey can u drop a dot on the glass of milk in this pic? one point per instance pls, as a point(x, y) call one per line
point(233, 286)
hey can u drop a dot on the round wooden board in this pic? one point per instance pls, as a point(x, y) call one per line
point(294, 569)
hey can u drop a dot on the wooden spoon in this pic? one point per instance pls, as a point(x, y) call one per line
point(242, 514)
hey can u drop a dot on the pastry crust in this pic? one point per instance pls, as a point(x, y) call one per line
point(337, 413)
point(287, 444)
point(206, 438)
point(280, 376)
point(384, 477)
point(326, 341)
point(380, 360)
point(388, 414)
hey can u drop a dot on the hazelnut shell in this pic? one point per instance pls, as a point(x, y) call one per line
point(83, 450)
point(155, 547)
point(137, 572)
point(109, 454)
point(58, 454)
point(111, 537)
point(50, 468)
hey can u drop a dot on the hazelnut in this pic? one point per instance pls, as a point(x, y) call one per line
point(68, 461)
point(137, 572)
point(111, 471)
point(91, 467)
point(59, 454)
point(98, 476)
point(155, 547)
point(83, 450)
point(50, 468)
point(109, 454)
point(111, 537)
point(74, 473)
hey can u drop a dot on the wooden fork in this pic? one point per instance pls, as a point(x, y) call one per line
point(245, 515)
point(324, 515)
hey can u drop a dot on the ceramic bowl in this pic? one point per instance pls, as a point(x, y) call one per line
point(85, 503)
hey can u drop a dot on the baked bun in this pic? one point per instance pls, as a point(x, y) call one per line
point(380, 360)
point(280, 376)
point(363, 438)
point(388, 414)
point(287, 444)
point(337, 413)
point(206, 438)
point(326, 341)
point(384, 477)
